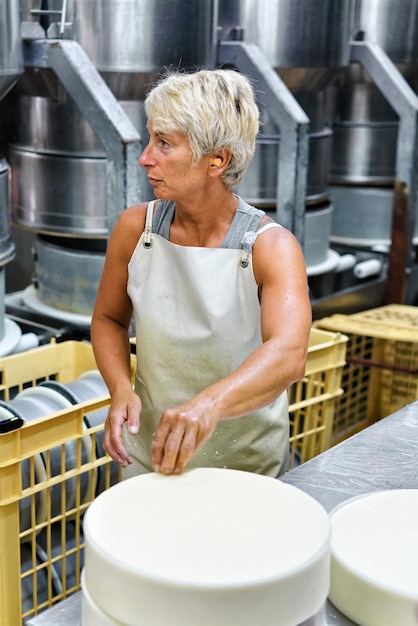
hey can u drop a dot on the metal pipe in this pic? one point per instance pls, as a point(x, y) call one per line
point(293, 124)
point(63, 16)
point(102, 111)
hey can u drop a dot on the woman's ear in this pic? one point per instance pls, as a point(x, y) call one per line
point(219, 161)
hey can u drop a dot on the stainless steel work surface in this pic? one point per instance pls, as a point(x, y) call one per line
point(383, 456)
point(68, 613)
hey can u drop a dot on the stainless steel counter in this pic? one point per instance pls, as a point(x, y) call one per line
point(384, 456)
point(68, 613)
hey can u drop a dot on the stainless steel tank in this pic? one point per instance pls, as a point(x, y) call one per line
point(391, 24)
point(260, 182)
point(143, 36)
point(67, 273)
point(8, 336)
point(131, 41)
point(365, 131)
point(58, 163)
point(7, 248)
point(365, 127)
point(11, 58)
point(59, 168)
point(306, 41)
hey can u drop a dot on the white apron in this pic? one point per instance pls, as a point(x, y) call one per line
point(197, 317)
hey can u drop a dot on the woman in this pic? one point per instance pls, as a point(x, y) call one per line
point(218, 291)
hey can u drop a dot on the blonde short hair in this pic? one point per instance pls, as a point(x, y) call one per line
point(215, 109)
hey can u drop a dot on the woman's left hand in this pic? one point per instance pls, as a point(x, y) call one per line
point(181, 431)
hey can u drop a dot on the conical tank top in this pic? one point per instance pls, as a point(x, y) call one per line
point(197, 318)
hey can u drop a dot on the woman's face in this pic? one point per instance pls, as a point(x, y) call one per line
point(168, 161)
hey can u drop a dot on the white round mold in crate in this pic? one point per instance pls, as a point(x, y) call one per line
point(38, 402)
point(38, 500)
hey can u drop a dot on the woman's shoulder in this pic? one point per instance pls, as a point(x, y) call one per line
point(132, 220)
point(133, 214)
point(129, 227)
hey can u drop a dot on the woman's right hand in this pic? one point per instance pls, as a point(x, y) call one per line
point(124, 408)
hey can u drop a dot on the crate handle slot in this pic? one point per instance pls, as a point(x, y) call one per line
point(387, 366)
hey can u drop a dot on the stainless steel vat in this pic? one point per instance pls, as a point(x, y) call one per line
point(363, 216)
point(365, 127)
point(391, 24)
point(7, 248)
point(318, 230)
point(51, 126)
point(59, 195)
point(66, 276)
point(371, 155)
point(306, 41)
point(131, 41)
point(365, 131)
point(260, 181)
point(11, 58)
point(59, 169)
point(143, 36)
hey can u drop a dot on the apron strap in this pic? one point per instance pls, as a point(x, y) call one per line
point(248, 241)
point(267, 226)
point(148, 224)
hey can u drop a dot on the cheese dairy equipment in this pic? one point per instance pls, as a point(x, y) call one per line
point(210, 546)
point(374, 563)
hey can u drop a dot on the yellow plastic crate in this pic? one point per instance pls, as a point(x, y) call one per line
point(41, 507)
point(41, 559)
point(312, 399)
point(380, 376)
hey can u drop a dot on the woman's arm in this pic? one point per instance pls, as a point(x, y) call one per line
point(110, 332)
point(280, 272)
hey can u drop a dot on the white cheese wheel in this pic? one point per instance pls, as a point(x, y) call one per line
point(90, 612)
point(210, 546)
point(374, 562)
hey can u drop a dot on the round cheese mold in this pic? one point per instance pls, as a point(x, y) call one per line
point(209, 546)
point(90, 613)
point(374, 558)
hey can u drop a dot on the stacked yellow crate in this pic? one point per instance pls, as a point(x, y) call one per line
point(380, 376)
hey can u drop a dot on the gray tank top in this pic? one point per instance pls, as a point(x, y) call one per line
point(247, 218)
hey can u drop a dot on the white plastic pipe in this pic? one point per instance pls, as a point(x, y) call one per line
point(345, 262)
point(27, 342)
point(364, 269)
